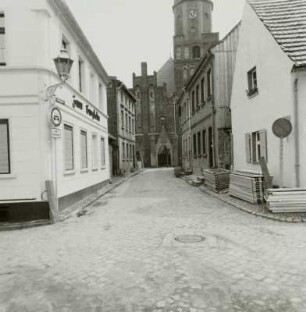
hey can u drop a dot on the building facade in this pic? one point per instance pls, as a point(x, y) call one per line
point(271, 85)
point(121, 110)
point(73, 154)
point(156, 139)
point(192, 37)
point(205, 119)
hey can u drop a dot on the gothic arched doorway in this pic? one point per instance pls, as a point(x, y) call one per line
point(164, 157)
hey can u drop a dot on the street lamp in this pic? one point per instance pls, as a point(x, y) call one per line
point(63, 64)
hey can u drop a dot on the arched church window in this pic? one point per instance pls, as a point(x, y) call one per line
point(196, 52)
point(178, 54)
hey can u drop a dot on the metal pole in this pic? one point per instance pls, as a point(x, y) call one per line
point(281, 169)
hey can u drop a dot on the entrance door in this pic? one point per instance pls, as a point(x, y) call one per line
point(164, 158)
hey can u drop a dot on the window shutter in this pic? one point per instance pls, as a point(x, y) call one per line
point(4, 147)
point(248, 148)
point(263, 144)
point(68, 147)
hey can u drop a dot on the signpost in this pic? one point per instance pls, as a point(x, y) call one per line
point(281, 128)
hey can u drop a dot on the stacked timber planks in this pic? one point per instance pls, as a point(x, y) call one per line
point(216, 179)
point(286, 200)
point(247, 186)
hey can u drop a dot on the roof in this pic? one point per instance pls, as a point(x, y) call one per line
point(286, 21)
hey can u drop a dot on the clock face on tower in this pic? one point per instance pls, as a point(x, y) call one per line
point(193, 14)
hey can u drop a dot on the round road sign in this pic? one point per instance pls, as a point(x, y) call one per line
point(56, 117)
point(282, 127)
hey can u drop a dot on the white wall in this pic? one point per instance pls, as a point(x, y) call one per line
point(258, 48)
point(33, 38)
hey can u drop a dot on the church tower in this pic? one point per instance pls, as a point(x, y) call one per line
point(192, 37)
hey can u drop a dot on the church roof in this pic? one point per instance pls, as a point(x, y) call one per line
point(286, 21)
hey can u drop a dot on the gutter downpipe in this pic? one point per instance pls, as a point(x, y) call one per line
point(297, 133)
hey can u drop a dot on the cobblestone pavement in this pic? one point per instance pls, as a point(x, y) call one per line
point(123, 257)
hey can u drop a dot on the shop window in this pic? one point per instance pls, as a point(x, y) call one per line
point(252, 82)
point(94, 151)
point(102, 152)
point(68, 147)
point(256, 146)
point(5, 166)
point(84, 153)
point(2, 39)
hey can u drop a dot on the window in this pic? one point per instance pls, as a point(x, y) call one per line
point(185, 74)
point(102, 152)
point(197, 95)
point(122, 120)
point(81, 75)
point(123, 151)
point(193, 101)
point(196, 52)
point(195, 145)
point(5, 166)
point(130, 125)
point(126, 123)
point(191, 71)
point(252, 82)
point(131, 152)
point(94, 151)
point(204, 142)
point(209, 84)
point(2, 39)
point(186, 53)
point(101, 102)
point(84, 154)
point(68, 147)
point(199, 143)
point(92, 94)
point(127, 152)
point(256, 146)
point(202, 91)
point(178, 53)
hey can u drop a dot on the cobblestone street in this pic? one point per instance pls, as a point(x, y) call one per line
point(122, 256)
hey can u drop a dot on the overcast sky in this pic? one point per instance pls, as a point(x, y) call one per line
point(124, 33)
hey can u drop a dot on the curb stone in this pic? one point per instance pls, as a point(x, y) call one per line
point(258, 214)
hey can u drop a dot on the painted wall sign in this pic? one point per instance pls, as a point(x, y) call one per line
point(56, 117)
point(92, 113)
point(282, 127)
point(77, 104)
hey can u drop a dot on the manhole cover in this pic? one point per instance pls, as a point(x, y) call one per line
point(190, 238)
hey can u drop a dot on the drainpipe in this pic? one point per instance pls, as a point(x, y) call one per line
point(297, 133)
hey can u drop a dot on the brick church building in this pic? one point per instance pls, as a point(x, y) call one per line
point(158, 141)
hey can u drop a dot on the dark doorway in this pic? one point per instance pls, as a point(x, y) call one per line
point(164, 158)
point(210, 147)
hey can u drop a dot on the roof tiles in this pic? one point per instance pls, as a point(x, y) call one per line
point(286, 21)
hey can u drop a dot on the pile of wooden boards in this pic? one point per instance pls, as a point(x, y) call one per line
point(286, 200)
point(216, 179)
point(247, 186)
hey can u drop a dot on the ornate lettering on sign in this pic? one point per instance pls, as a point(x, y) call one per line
point(92, 113)
point(77, 104)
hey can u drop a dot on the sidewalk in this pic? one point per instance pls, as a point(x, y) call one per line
point(76, 210)
point(257, 210)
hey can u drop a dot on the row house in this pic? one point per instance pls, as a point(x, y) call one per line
point(205, 114)
point(121, 110)
point(54, 136)
point(269, 84)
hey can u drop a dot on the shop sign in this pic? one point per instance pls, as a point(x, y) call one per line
point(56, 133)
point(92, 113)
point(56, 117)
point(89, 111)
